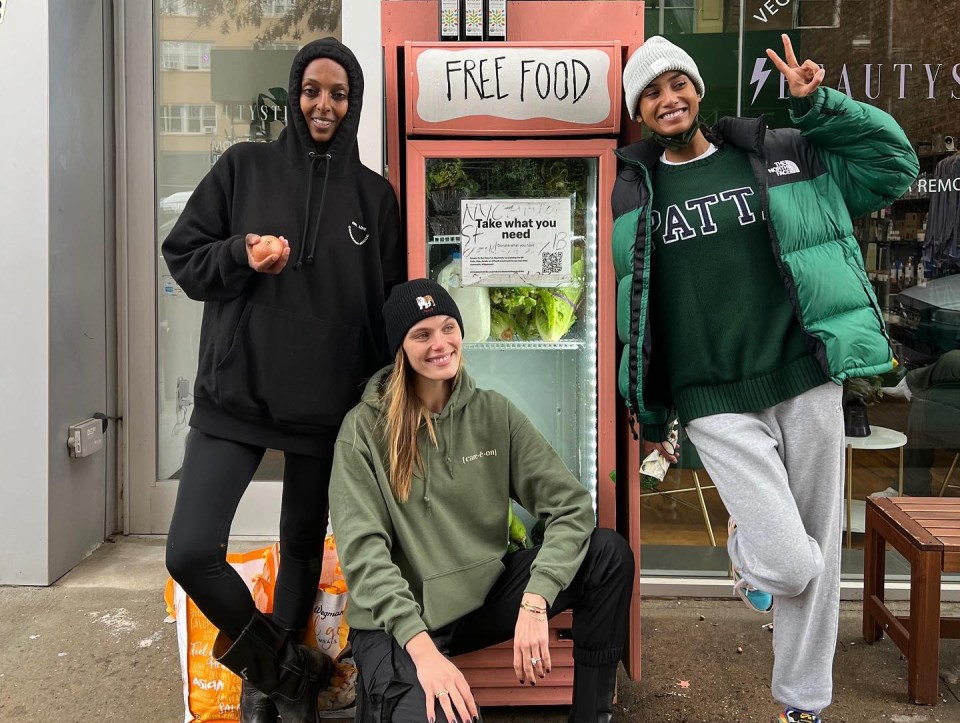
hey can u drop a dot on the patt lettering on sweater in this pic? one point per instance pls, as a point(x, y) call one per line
point(676, 226)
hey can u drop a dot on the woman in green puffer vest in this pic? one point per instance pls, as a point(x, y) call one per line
point(743, 305)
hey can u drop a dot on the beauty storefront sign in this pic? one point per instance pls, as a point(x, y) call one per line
point(866, 81)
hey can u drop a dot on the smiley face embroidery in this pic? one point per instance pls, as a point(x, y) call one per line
point(361, 231)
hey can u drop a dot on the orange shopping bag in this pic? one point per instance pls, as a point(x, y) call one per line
point(327, 628)
point(211, 693)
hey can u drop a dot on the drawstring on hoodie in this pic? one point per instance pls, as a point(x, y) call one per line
point(448, 431)
point(306, 212)
point(449, 428)
point(426, 481)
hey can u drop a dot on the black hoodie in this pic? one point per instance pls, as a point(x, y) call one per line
point(284, 357)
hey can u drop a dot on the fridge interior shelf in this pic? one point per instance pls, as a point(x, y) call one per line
point(441, 240)
point(525, 345)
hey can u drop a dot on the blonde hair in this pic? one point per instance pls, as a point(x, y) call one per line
point(401, 420)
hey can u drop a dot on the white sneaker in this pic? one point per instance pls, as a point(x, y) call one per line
point(889, 492)
point(901, 391)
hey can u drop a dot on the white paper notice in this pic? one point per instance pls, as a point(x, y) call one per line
point(567, 85)
point(516, 242)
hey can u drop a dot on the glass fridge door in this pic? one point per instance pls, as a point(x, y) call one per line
point(515, 242)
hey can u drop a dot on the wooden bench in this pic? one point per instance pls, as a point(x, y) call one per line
point(926, 531)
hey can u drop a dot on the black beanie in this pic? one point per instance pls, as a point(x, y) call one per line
point(411, 303)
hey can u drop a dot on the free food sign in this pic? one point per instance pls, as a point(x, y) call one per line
point(512, 88)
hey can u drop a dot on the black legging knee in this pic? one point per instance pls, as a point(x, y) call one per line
point(215, 474)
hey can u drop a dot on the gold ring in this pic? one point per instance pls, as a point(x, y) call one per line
point(441, 693)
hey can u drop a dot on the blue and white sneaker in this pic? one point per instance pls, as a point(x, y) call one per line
point(757, 600)
point(795, 715)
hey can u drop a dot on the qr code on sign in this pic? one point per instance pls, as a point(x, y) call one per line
point(551, 262)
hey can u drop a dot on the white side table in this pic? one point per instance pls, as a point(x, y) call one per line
point(879, 438)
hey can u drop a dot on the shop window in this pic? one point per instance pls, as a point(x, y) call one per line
point(214, 73)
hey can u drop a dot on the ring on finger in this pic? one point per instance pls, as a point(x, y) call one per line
point(535, 661)
point(441, 693)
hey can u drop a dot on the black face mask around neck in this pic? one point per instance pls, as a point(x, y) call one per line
point(681, 140)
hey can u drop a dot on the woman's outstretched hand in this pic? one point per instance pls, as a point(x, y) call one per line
point(665, 448)
point(531, 644)
point(442, 682)
point(803, 79)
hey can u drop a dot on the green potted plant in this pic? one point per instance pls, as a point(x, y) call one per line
point(858, 394)
point(447, 183)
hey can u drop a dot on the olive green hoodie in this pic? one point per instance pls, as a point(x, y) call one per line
point(423, 563)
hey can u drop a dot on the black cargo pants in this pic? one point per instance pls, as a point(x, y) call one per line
point(599, 595)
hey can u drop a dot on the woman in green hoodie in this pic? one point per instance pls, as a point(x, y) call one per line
point(424, 471)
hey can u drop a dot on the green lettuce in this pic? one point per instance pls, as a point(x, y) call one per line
point(556, 309)
point(511, 312)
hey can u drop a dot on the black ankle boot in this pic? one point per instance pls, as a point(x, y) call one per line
point(269, 658)
point(256, 707)
point(593, 691)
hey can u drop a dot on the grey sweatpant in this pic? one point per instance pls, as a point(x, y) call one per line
point(780, 474)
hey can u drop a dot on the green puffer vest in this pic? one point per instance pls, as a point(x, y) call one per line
point(844, 159)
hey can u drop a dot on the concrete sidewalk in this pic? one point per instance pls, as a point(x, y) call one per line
point(94, 649)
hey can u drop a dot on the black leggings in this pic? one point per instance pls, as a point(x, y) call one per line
point(215, 475)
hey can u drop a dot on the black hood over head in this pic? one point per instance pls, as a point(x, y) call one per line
point(342, 150)
point(341, 156)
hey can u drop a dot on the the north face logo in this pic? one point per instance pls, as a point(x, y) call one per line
point(425, 302)
point(784, 168)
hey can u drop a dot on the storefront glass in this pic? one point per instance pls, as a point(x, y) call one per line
point(221, 75)
point(901, 57)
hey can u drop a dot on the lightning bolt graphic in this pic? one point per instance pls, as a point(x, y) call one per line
point(759, 77)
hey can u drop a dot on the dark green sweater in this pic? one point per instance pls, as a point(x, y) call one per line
point(723, 327)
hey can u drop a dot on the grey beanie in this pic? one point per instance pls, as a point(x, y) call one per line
point(655, 57)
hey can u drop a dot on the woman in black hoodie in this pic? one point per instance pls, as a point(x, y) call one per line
point(285, 345)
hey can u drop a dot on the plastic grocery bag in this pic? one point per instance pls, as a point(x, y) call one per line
point(327, 619)
point(654, 466)
point(211, 692)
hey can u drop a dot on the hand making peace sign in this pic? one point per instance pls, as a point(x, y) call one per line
point(802, 79)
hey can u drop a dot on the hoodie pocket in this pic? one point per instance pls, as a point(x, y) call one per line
point(290, 368)
point(450, 595)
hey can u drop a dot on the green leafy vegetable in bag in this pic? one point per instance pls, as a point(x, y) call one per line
point(556, 308)
point(511, 312)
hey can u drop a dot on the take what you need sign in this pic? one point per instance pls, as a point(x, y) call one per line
point(547, 89)
point(516, 242)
